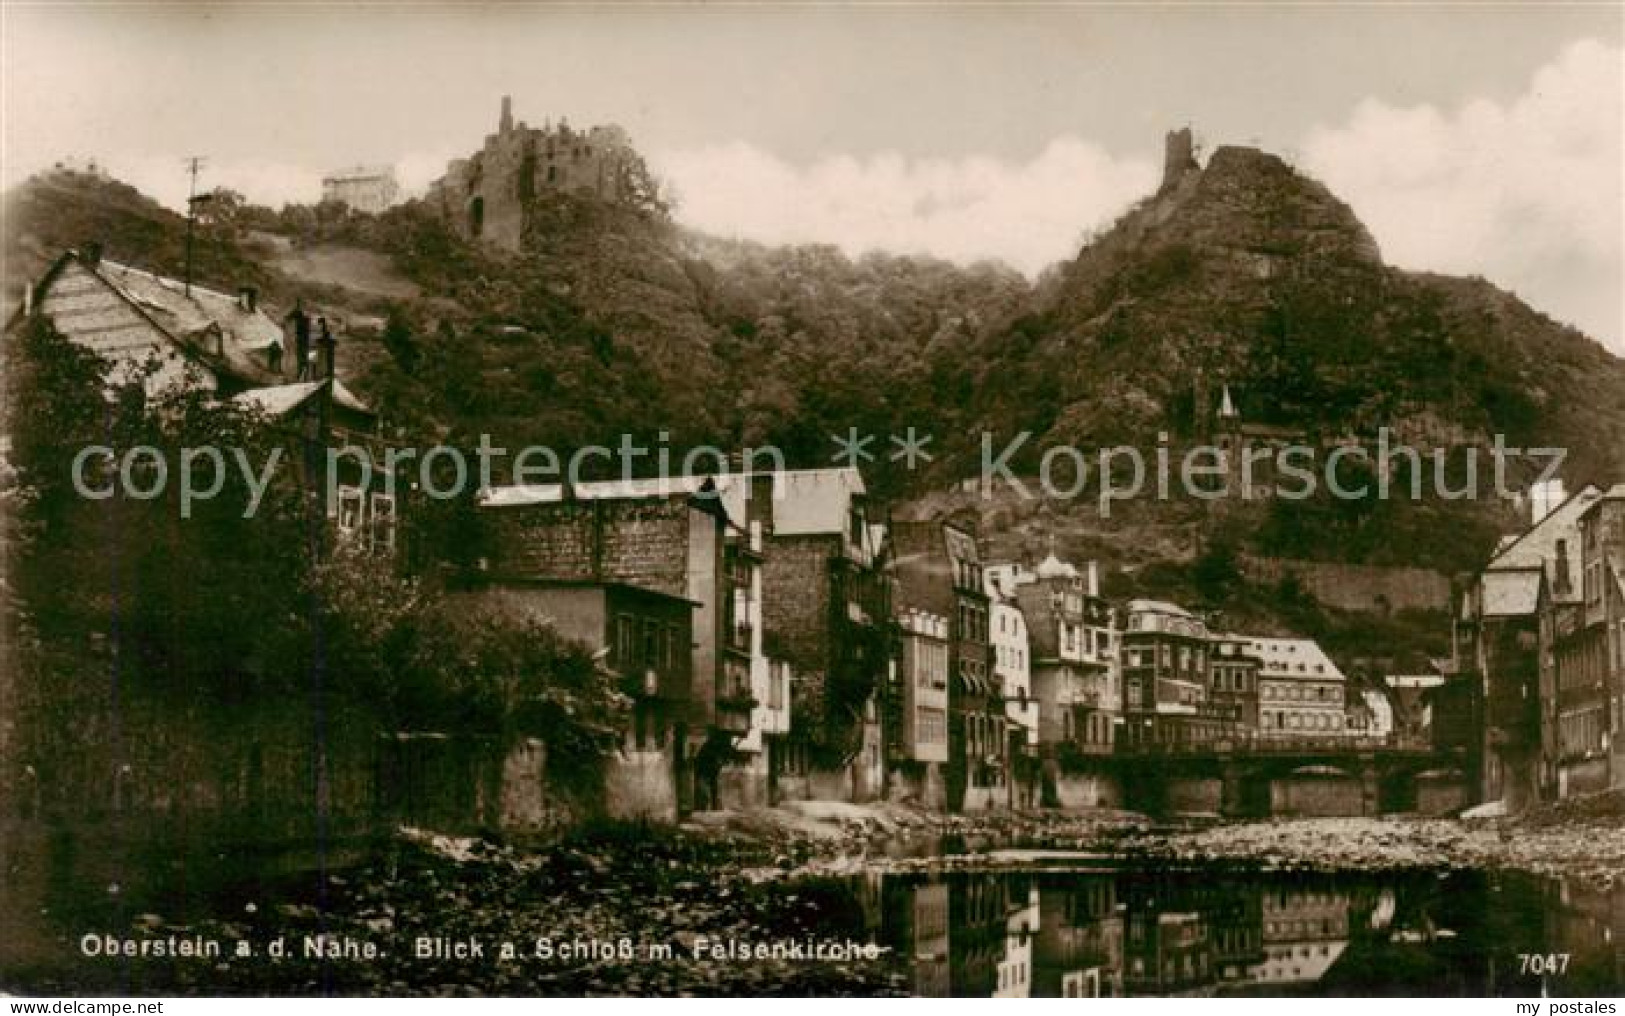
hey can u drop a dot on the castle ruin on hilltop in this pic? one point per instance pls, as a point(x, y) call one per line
point(484, 196)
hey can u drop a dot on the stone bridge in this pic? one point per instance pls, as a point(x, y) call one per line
point(1255, 777)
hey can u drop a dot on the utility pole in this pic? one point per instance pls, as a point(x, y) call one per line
point(194, 163)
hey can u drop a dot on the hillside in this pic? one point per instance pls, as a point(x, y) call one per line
point(1245, 273)
point(1241, 274)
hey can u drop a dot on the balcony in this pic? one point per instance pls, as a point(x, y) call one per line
point(733, 711)
point(739, 637)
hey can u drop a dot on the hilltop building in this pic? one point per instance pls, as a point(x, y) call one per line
point(484, 196)
point(367, 189)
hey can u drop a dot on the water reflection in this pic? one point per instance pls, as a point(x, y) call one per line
point(1080, 934)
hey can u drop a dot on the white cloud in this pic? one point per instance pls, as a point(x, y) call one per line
point(1525, 193)
point(165, 179)
point(1027, 214)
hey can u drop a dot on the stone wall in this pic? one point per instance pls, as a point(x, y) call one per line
point(1198, 795)
point(744, 784)
point(1356, 587)
point(1440, 794)
point(1311, 795)
point(919, 784)
point(1087, 790)
point(641, 543)
point(641, 785)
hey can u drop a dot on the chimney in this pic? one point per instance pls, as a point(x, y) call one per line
point(1094, 579)
point(759, 508)
point(91, 253)
point(248, 299)
point(505, 125)
point(329, 349)
point(1543, 498)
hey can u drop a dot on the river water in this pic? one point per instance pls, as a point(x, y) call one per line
point(1108, 930)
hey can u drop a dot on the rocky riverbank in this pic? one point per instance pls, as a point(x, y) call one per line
point(647, 910)
point(1594, 852)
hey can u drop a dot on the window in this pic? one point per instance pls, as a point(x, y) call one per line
point(673, 645)
point(778, 685)
point(651, 643)
point(383, 522)
point(352, 510)
point(625, 641)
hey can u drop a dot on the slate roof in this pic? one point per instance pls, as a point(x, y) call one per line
point(805, 501)
point(192, 319)
point(278, 400)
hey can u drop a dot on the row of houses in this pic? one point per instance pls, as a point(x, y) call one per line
point(838, 655)
point(1541, 651)
point(777, 636)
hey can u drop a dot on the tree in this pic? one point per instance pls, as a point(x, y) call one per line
point(1217, 572)
point(399, 342)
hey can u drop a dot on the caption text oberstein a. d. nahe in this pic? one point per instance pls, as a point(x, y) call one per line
point(428, 948)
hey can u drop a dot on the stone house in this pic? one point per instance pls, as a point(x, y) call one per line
point(1592, 661)
point(165, 332)
point(919, 745)
point(1165, 678)
point(1233, 671)
point(938, 570)
point(1302, 694)
point(647, 637)
point(1075, 676)
point(665, 535)
point(1013, 675)
point(1519, 642)
point(826, 606)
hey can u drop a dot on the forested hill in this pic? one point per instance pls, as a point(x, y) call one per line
point(1241, 274)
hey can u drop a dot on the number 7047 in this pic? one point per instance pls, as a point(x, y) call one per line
point(1540, 964)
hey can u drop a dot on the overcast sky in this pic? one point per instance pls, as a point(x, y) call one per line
point(1471, 140)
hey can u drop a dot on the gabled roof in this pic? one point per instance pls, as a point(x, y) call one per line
point(196, 319)
point(1294, 657)
point(1536, 547)
point(1053, 567)
point(812, 502)
point(518, 495)
point(805, 501)
point(279, 400)
point(1159, 607)
point(1532, 547)
point(107, 337)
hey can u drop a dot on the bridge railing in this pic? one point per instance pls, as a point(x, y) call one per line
point(1259, 744)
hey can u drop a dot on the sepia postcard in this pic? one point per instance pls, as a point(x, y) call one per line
point(872, 500)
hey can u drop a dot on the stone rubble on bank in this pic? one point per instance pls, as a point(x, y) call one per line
point(767, 873)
